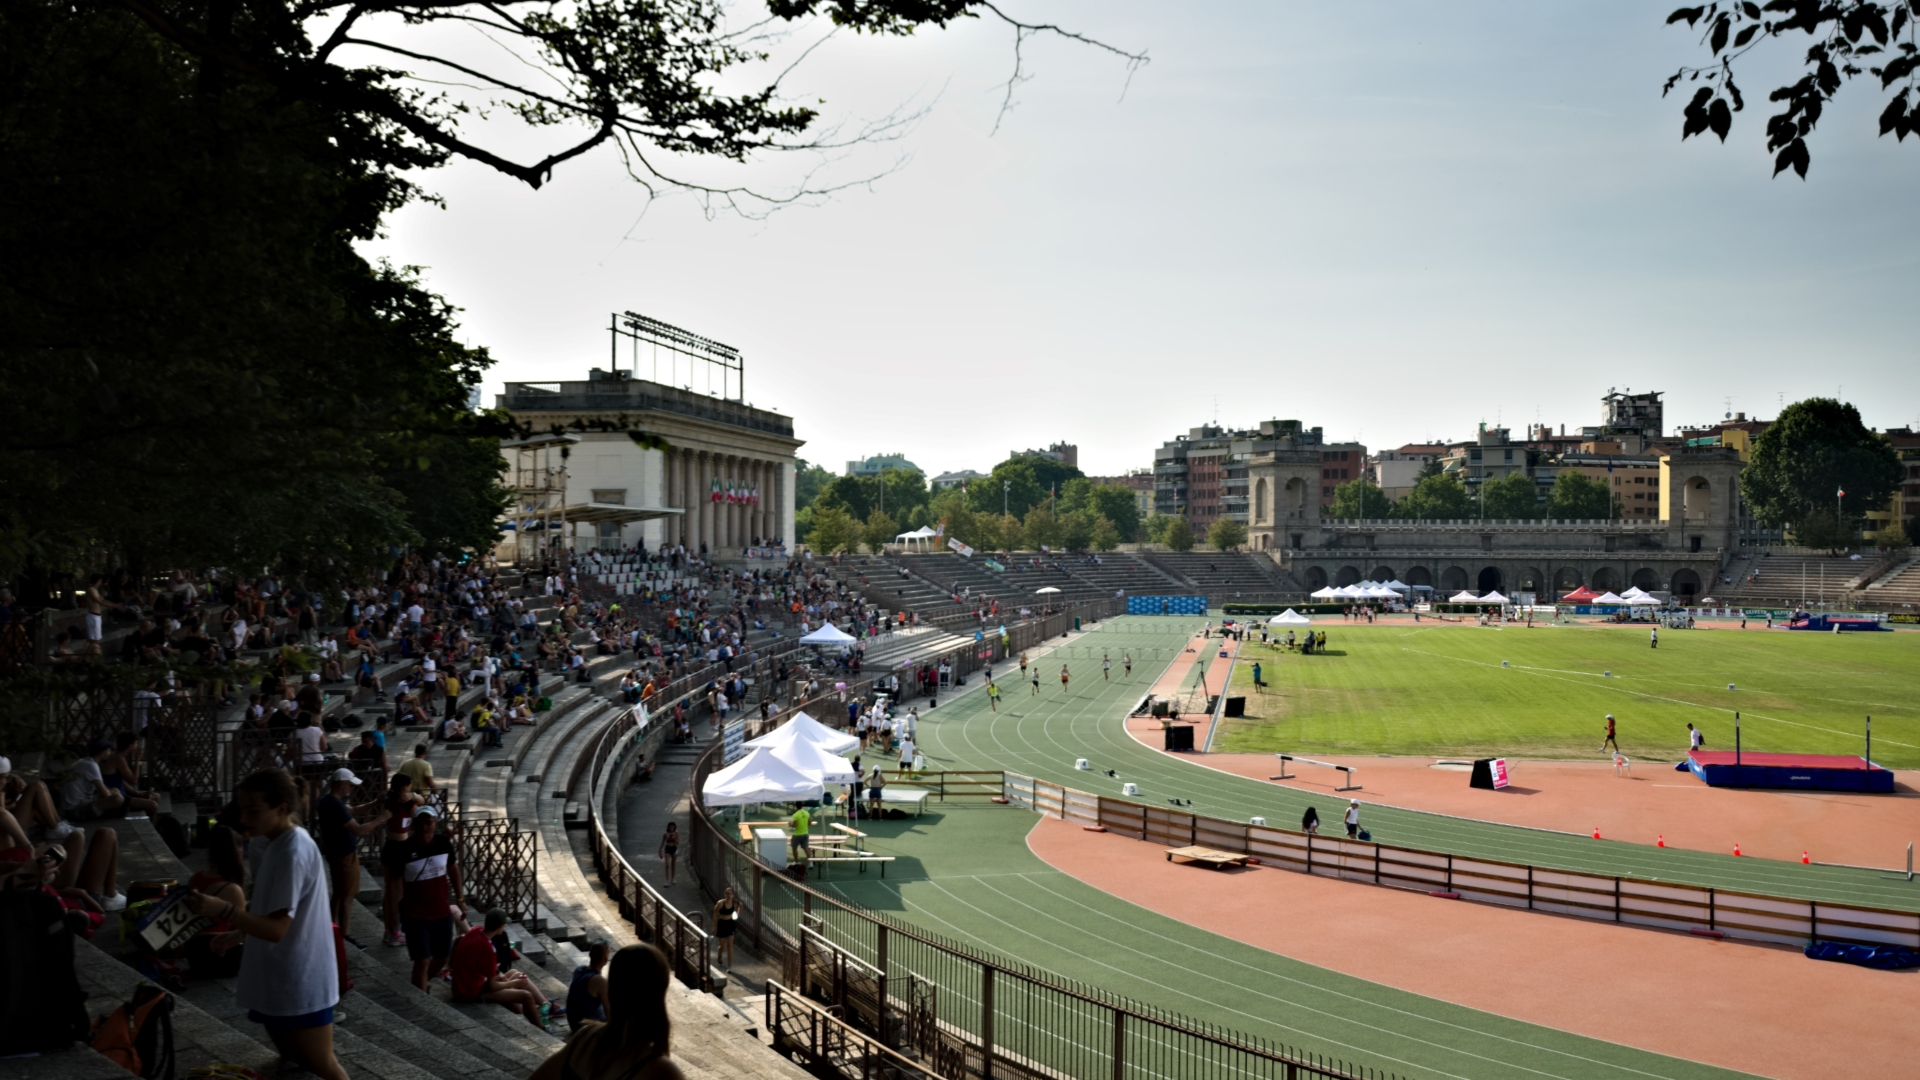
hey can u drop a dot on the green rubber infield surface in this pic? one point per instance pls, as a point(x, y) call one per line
point(965, 872)
point(1041, 736)
point(1441, 690)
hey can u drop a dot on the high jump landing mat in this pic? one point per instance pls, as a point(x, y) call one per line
point(1800, 772)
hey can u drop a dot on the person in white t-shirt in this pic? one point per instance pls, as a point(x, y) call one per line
point(289, 981)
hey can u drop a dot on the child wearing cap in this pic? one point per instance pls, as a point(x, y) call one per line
point(340, 835)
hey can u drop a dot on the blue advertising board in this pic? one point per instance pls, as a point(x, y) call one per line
point(1166, 605)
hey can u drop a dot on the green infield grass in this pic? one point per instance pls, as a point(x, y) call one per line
point(1466, 690)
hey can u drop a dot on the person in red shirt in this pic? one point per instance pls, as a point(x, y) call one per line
point(477, 975)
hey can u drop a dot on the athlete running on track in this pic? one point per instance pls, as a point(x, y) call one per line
point(1063, 678)
point(1036, 682)
point(1126, 662)
point(993, 696)
point(1106, 668)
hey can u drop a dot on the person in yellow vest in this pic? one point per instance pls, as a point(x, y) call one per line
point(802, 821)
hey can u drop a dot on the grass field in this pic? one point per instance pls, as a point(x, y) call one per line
point(966, 873)
point(1440, 690)
point(1042, 736)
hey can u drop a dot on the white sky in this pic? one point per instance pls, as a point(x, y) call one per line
point(1390, 220)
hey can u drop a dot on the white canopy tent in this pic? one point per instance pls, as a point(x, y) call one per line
point(1289, 617)
point(1636, 593)
point(1463, 597)
point(1642, 601)
point(919, 536)
point(1399, 586)
point(1327, 593)
point(815, 760)
point(804, 728)
point(1382, 592)
point(828, 634)
point(1494, 597)
point(1608, 598)
point(760, 777)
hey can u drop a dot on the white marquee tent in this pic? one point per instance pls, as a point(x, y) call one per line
point(760, 777)
point(1289, 617)
point(815, 760)
point(1463, 597)
point(1494, 597)
point(828, 634)
point(1608, 598)
point(804, 728)
point(919, 536)
point(1327, 593)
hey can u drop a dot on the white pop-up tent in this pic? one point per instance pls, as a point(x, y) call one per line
point(760, 777)
point(1494, 597)
point(1289, 617)
point(804, 728)
point(1328, 593)
point(828, 634)
point(1381, 592)
point(1399, 586)
point(919, 536)
point(1642, 600)
point(1636, 593)
point(814, 760)
point(1463, 597)
point(1608, 598)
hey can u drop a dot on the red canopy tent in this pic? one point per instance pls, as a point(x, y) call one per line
point(1580, 595)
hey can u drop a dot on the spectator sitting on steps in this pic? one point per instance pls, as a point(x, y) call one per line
point(633, 1042)
point(477, 975)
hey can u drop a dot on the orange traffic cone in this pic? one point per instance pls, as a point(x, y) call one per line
point(1736, 849)
point(1804, 860)
point(1596, 832)
point(1662, 842)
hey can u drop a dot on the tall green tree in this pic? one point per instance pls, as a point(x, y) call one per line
point(1577, 496)
point(1154, 529)
point(1179, 535)
point(1226, 534)
point(1013, 485)
point(1439, 497)
point(1815, 450)
point(1115, 502)
point(808, 479)
point(1511, 496)
point(878, 530)
point(1359, 498)
point(833, 530)
point(1042, 528)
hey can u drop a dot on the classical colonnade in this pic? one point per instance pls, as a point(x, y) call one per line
point(721, 526)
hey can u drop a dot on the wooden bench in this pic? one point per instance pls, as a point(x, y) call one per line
point(849, 833)
point(747, 827)
point(861, 859)
point(1219, 860)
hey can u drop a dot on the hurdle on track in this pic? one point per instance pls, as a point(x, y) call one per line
point(1348, 785)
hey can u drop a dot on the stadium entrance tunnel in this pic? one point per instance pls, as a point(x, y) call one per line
point(1489, 579)
point(1686, 584)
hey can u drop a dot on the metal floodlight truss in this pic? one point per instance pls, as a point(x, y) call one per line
point(640, 329)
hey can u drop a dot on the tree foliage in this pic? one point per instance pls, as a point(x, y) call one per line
point(1226, 534)
point(644, 77)
point(808, 479)
point(1115, 502)
point(199, 368)
point(1817, 448)
point(1847, 38)
point(1439, 496)
point(1512, 496)
point(1577, 496)
point(1359, 498)
point(1179, 535)
point(832, 530)
point(878, 530)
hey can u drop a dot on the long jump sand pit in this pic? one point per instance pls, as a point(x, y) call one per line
point(1578, 796)
point(1760, 1009)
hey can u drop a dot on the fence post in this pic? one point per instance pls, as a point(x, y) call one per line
point(1529, 886)
point(986, 1022)
point(880, 954)
point(1119, 1044)
point(1616, 899)
point(759, 893)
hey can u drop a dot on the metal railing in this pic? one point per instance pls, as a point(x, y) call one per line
point(681, 936)
point(955, 1009)
point(1631, 901)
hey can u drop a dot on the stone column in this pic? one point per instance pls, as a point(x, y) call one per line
point(683, 479)
point(757, 510)
point(696, 500)
point(666, 495)
point(729, 511)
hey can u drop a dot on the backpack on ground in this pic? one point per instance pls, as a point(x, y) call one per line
point(544, 704)
point(138, 1036)
point(174, 833)
point(41, 1005)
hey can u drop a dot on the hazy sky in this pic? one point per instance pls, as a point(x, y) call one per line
point(1389, 220)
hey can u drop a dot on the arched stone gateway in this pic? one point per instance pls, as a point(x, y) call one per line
point(1566, 579)
point(1489, 579)
point(1347, 576)
point(1605, 579)
point(1453, 580)
point(1645, 579)
point(1532, 580)
point(1685, 584)
point(1316, 579)
point(1382, 574)
point(1419, 575)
